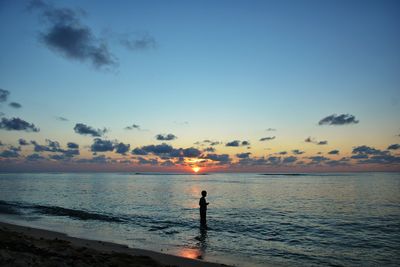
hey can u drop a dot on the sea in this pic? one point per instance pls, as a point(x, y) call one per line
point(254, 219)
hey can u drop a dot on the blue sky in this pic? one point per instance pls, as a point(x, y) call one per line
point(207, 70)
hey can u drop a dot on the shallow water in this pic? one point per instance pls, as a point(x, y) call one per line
point(254, 220)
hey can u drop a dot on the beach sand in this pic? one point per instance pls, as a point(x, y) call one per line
point(25, 246)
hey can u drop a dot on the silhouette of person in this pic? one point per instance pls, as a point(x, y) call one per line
point(203, 209)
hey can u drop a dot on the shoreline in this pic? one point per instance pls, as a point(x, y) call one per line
point(38, 247)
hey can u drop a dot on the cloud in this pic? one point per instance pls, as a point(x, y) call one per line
point(15, 105)
point(253, 161)
point(71, 153)
point(158, 149)
point(166, 137)
point(138, 42)
point(133, 126)
point(317, 159)
point(208, 142)
point(122, 148)
point(289, 159)
point(221, 159)
point(51, 146)
point(270, 130)
point(191, 152)
point(268, 138)
point(297, 152)
point(147, 161)
point(167, 163)
point(234, 143)
point(394, 146)
point(67, 35)
point(237, 143)
point(58, 157)
point(72, 145)
point(34, 157)
point(96, 160)
point(312, 140)
point(61, 119)
point(83, 129)
point(342, 119)
point(10, 153)
point(243, 155)
point(334, 152)
point(4, 95)
point(359, 156)
point(22, 142)
point(17, 124)
point(274, 160)
point(139, 151)
point(381, 159)
point(100, 145)
point(209, 149)
point(340, 162)
point(309, 140)
point(366, 150)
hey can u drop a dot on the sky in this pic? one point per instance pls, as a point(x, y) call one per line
point(224, 86)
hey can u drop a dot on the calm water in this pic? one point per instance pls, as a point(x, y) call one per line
point(254, 220)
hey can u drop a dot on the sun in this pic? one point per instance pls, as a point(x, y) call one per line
point(196, 169)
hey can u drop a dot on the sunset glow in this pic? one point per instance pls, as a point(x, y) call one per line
point(196, 169)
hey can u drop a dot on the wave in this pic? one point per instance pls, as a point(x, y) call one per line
point(8, 208)
point(153, 223)
point(78, 214)
point(18, 208)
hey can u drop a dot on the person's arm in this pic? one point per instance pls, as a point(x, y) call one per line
point(202, 202)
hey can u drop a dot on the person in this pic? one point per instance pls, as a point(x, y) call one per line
point(203, 209)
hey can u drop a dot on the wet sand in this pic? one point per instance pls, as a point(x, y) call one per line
point(25, 246)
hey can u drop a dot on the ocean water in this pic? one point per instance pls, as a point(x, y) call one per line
point(346, 219)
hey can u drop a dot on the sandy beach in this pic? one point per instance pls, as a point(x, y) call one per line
point(25, 246)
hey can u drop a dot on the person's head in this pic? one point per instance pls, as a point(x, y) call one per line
point(204, 193)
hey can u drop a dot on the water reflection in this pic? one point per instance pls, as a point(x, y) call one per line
point(203, 241)
point(199, 251)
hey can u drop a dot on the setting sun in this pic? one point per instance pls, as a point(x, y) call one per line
point(196, 169)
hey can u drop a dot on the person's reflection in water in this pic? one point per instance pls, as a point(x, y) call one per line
point(202, 238)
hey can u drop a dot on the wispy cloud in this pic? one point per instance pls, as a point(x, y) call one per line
point(132, 127)
point(334, 152)
point(84, 129)
point(4, 95)
point(17, 124)
point(313, 141)
point(15, 105)
point(237, 143)
point(268, 138)
point(61, 118)
point(166, 137)
point(342, 119)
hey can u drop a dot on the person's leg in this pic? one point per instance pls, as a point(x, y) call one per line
point(203, 217)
